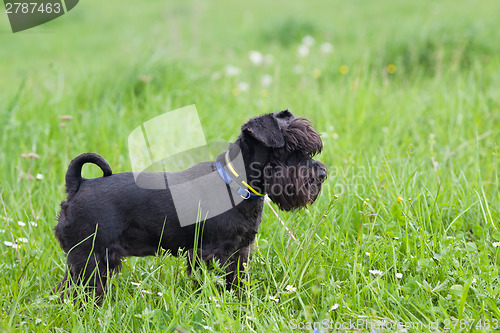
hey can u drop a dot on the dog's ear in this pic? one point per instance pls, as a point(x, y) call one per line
point(265, 129)
point(285, 114)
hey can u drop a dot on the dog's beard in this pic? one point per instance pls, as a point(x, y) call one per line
point(292, 187)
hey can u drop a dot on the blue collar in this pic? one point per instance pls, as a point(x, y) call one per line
point(245, 194)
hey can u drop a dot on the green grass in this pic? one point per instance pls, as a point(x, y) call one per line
point(428, 133)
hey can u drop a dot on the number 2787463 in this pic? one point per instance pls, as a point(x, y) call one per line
point(32, 8)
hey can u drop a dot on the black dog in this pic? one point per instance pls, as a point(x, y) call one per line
point(108, 218)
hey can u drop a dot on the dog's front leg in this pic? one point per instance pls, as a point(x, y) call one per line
point(194, 258)
point(229, 255)
point(235, 269)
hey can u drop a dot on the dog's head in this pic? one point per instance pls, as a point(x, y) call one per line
point(282, 148)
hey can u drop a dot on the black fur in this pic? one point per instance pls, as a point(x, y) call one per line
point(105, 219)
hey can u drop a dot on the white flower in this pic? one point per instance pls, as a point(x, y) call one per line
point(39, 176)
point(33, 223)
point(326, 48)
point(375, 272)
point(291, 288)
point(24, 240)
point(303, 50)
point(334, 307)
point(272, 298)
point(266, 80)
point(137, 284)
point(368, 254)
point(21, 223)
point(243, 86)
point(145, 291)
point(232, 70)
point(473, 281)
point(308, 41)
point(496, 244)
point(13, 245)
point(216, 301)
point(159, 293)
point(399, 275)
point(395, 237)
point(256, 58)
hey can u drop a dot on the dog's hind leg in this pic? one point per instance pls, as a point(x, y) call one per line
point(94, 270)
point(84, 267)
point(60, 285)
point(56, 290)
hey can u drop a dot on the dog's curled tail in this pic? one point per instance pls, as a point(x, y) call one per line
point(74, 173)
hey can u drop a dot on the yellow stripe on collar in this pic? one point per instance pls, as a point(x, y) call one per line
point(252, 189)
point(230, 166)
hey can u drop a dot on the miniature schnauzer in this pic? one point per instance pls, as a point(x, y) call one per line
point(212, 210)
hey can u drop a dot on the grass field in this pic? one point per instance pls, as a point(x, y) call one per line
point(406, 97)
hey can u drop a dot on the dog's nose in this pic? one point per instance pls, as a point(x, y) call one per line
point(322, 174)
